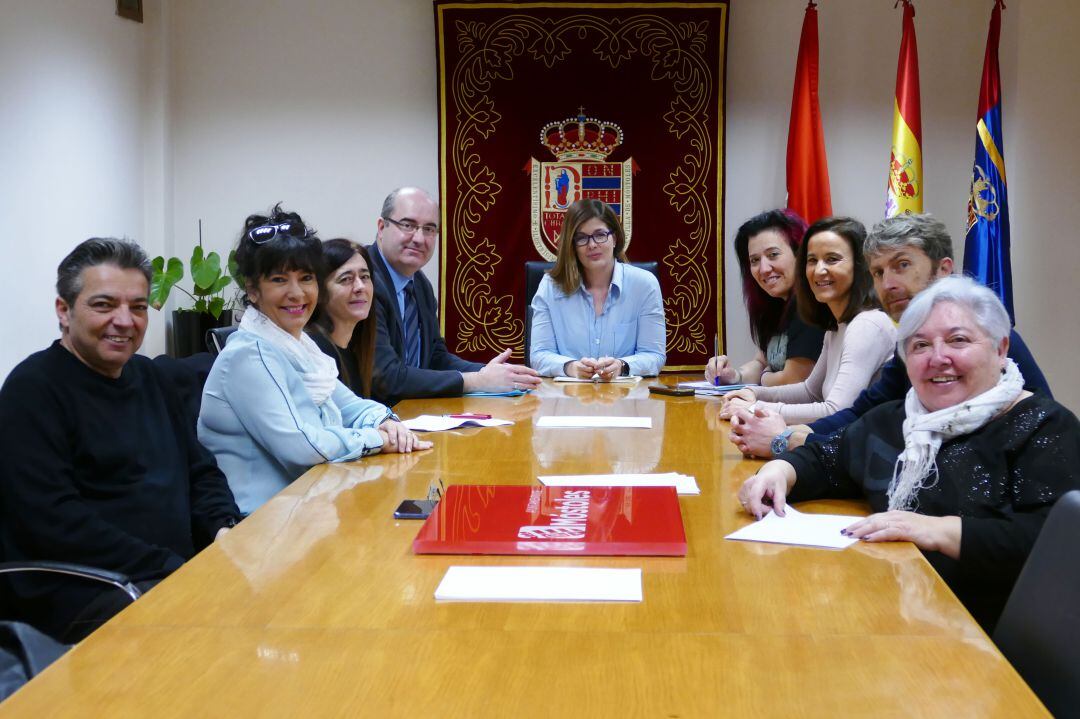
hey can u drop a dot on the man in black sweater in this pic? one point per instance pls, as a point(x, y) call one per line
point(906, 254)
point(100, 463)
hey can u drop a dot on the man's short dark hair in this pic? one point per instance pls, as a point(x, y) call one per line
point(124, 254)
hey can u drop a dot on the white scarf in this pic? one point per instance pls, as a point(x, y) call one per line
point(925, 431)
point(317, 370)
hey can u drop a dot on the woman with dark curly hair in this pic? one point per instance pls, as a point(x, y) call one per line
point(272, 406)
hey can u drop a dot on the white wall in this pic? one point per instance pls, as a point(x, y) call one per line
point(328, 104)
point(1042, 124)
point(76, 124)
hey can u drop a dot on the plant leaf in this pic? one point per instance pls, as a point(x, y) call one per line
point(208, 271)
point(200, 305)
point(216, 306)
point(163, 278)
point(234, 269)
point(222, 283)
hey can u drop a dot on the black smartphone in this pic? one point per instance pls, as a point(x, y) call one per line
point(673, 391)
point(415, 509)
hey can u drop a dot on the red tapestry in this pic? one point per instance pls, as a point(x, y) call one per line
point(542, 103)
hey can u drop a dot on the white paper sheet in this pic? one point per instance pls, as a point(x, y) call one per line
point(543, 584)
point(682, 483)
point(710, 387)
point(436, 423)
point(808, 530)
point(628, 378)
point(570, 421)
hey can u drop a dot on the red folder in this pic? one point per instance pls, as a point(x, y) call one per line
point(574, 521)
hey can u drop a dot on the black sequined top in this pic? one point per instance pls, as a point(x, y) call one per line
point(1001, 480)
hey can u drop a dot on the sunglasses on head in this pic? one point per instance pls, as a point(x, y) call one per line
point(264, 233)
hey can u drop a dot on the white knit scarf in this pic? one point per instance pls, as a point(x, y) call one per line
point(925, 431)
point(317, 370)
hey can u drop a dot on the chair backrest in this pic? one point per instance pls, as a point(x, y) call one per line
point(1039, 630)
point(534, 272)
point(216, 337)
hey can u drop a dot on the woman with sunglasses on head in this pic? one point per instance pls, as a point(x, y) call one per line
point(272, 406)
point(343, 326)
point(834, 292)
point(766, 246)
point(595, 316)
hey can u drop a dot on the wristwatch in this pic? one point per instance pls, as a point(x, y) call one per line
point(780, 442)
point(625, 371)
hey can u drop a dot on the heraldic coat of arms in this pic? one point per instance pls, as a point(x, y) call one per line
point(581, 146)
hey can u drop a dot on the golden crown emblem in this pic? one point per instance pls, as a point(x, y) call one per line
point(581, 138)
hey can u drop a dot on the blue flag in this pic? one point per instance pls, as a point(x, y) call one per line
point(986, 250)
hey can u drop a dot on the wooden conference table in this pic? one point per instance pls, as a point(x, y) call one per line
point(316, 606)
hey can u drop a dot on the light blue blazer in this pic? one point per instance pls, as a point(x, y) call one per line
point(261, 424)
point(631, 326)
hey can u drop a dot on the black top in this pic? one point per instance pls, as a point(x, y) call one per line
point(103, 472)
point(1001, 481)
point(347, 364)
point(801, 340)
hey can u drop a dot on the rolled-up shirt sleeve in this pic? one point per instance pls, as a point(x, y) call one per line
point(650, 352)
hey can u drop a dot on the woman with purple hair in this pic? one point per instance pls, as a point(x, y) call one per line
point(766, 245)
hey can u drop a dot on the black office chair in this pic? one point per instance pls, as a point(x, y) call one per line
point(1039, 629)
point(216, 337)
point(25, 651)
point(534, 272)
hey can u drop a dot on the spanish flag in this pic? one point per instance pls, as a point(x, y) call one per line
point(905, 165)
point(807, 168)
point(986, 248)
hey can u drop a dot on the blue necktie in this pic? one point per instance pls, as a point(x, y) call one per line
point(411, 327)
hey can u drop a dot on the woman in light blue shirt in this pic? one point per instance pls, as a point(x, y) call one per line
point(595, 316)
point(272, 406)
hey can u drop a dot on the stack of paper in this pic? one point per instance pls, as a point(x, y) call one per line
point(435, 423)
point(708, 388)
point(807, 530)
point(597, 421)
point(627, 378)
point(540, 584)
point(683, 484)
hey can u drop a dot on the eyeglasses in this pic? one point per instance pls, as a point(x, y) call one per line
point(409, 227)
point(264, 233)
point(600, 237)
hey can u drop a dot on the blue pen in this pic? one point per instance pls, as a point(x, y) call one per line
point(716, 353)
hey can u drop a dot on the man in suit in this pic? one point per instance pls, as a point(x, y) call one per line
point(411, 358)
point(906, 254)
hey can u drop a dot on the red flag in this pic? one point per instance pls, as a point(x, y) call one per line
point(807, 167)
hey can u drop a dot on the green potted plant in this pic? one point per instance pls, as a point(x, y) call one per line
point(211, 306)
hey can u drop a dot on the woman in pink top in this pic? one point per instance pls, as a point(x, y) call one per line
point(834, 292)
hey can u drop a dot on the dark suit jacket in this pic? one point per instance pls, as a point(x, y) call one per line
point(439, 374)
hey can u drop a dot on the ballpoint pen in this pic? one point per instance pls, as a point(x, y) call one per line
point(469, 415)
point(716, 353)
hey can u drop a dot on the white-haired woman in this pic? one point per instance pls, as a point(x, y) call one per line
point(966, 467)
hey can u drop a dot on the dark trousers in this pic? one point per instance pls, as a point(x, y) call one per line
point(101, 610)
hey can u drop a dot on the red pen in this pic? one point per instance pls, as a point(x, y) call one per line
point(469, 415)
